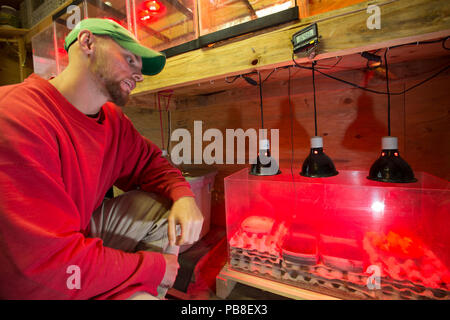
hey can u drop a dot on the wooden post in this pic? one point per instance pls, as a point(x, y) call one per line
point(303, 8)
point(22, 57)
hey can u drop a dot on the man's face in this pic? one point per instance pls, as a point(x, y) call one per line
point(117, 70)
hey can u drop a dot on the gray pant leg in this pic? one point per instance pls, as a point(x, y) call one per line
point(135, 220)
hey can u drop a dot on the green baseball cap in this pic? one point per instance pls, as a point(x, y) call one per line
point(152, 61)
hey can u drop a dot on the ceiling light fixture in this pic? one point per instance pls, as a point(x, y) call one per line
point(265, 164)
point(317, 164)
point(390, 167)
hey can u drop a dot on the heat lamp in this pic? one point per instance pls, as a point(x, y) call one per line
point(390, 167)
point(317, 164)
point(265, 164)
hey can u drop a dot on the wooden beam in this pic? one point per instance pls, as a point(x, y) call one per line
point(342, 31)
point(303, 8)
point(250, 8)
point(228, 277)
point(12, 32)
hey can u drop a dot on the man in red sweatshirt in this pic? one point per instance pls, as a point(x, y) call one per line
point(63, 144)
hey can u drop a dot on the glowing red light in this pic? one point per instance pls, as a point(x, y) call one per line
point(153, 6)
point(150, 10)
point(145, 15)
point(396, 154)
point(382, 154)
point(316, 152)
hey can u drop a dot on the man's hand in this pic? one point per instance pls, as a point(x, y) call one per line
point(171, 270)
point(186, 213)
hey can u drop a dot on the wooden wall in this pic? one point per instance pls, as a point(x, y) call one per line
point(350, 120)
point(9, 66)
point(9, 63)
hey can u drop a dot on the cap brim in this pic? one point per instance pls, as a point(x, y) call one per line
point(152, 61)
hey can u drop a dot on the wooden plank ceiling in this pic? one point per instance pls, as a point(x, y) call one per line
point(344, 33)
point(340, 66)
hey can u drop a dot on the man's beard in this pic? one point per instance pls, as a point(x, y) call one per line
point(111, 87)
point(116, 94)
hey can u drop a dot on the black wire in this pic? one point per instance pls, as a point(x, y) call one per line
point(367, 89)
point(329, 67)
point(443, 40)
point(261, 100)
point(269, 75)
point(292, 124)
point(168, 129)
point(423, 81)
point(292, 141)
point(388, 93)
point(235, 78)
point(314, 91)
point(333, 77)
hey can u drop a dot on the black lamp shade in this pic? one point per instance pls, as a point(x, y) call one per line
point(267, 167)
point(318, 164)
point(390, 167)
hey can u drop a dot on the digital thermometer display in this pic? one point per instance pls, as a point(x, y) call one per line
point(306, 38)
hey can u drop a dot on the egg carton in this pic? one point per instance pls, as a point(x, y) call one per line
point(262, 244)
point(324, 279)
point(355, 284)
point(395, 289)
point(254, 254)
point(254, 265)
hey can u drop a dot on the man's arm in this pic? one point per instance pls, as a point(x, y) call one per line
point(144, 166)
point(40, 227)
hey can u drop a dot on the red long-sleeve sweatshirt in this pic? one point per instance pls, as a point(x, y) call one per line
point(56, 165)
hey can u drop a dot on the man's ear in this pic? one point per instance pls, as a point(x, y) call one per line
point(86, 41)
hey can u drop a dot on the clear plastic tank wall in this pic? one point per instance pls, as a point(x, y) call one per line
point(221, 14)
point(335, 235)
point(163, 24)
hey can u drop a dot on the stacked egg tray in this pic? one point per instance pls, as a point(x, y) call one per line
point(268, 263)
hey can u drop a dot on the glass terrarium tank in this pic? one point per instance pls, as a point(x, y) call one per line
point(216, 15)
point(345, 236)
point(163, 24)
point(66, 20)
point(44, 53)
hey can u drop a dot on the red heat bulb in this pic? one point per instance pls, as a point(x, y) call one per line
point(150, 10)
point(152, 6)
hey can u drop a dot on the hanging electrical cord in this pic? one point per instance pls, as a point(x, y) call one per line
point(169, 130)
point(387, 90)
point(161, 122)
point(317, 69)
point(314, 92)
point(292, 125)
point(261, 100)
point(291, 109)
point(163, 145)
